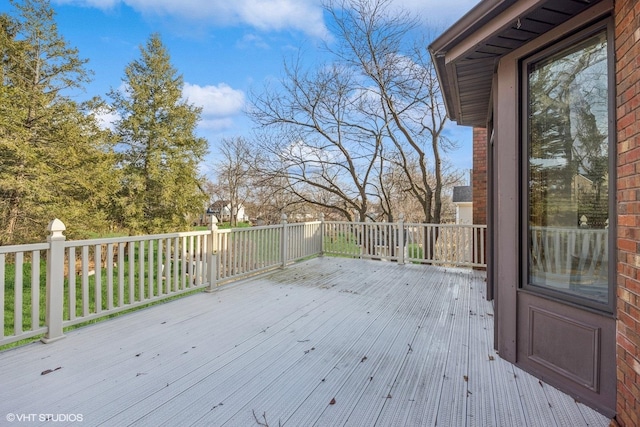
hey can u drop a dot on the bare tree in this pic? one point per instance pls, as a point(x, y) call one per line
point(324, 149)
point(348, 129)
point(373, 40)
point(235, 173)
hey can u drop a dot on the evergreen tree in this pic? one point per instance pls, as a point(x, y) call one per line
point(54, 160)
point(162, 189)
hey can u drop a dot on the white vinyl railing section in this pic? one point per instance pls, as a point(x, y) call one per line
point(47, 287)
point(440, 244)
point(53, 285)
point(244, 251)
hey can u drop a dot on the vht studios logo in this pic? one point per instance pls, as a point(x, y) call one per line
point(54, 418)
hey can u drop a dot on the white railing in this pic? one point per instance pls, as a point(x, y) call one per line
point(246, 251)
point(20, 266)
point(61, 283)
point(440, 244)
point(47, 287)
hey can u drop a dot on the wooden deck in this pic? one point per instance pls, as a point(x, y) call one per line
point(325, 342)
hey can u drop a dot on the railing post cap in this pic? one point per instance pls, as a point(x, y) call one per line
point(401, 217)
point(55, 228)
point(284, 217)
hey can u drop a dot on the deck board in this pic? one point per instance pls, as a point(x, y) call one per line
point(328, 341)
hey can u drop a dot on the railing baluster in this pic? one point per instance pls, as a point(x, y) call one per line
point(109, 265)
point(132, 266)
point(97, 260)
point(184, 252)
point(71, 268)
point(168, 271)
point(121, 259)
point(150, 282)
point(35, 290)
point(141, 270)
point(160, 279)
point(174, 263)
point(85, 281)
point(17, 294)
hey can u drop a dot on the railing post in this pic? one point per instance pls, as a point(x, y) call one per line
point(322, 230)
point(284, 243)
point(55, 282)
point(212, 255)
point(401, 239)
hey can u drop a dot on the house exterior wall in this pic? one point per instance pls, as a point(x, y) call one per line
point(479, 178)
point(479, 184)
point(627, 46)
point(464, 213)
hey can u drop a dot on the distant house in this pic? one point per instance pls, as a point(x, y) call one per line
point(221, 209)
point(463, 199)
point(552, 90)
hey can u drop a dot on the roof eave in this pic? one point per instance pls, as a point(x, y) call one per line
point(438, 49)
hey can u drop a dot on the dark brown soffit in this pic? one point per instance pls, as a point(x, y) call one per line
point(466, 54)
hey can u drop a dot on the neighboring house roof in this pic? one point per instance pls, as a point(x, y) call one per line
point(219, 204)
point(462, 194)
point(223, 207)
point(467, 53)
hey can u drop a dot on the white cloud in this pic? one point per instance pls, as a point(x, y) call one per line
point(219, 101)
point(252, 40)
point(220, 104)
point(268, 15)
point(216, 125)
point(305, 16)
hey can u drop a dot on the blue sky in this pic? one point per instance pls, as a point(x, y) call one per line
point(223, 48)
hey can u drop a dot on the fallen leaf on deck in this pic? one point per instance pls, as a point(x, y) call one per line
point(333, 401)
point(48, 371)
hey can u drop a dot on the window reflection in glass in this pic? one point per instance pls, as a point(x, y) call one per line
point(568, 170)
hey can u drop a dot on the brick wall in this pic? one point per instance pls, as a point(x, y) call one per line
point(479, 179)
point(627, 47)
point(479, 176)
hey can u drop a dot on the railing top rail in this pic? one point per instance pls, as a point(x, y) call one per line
point(24, 248)
point(360, 223)
point(265, 227)
point(125, 239)
point(248, 229)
